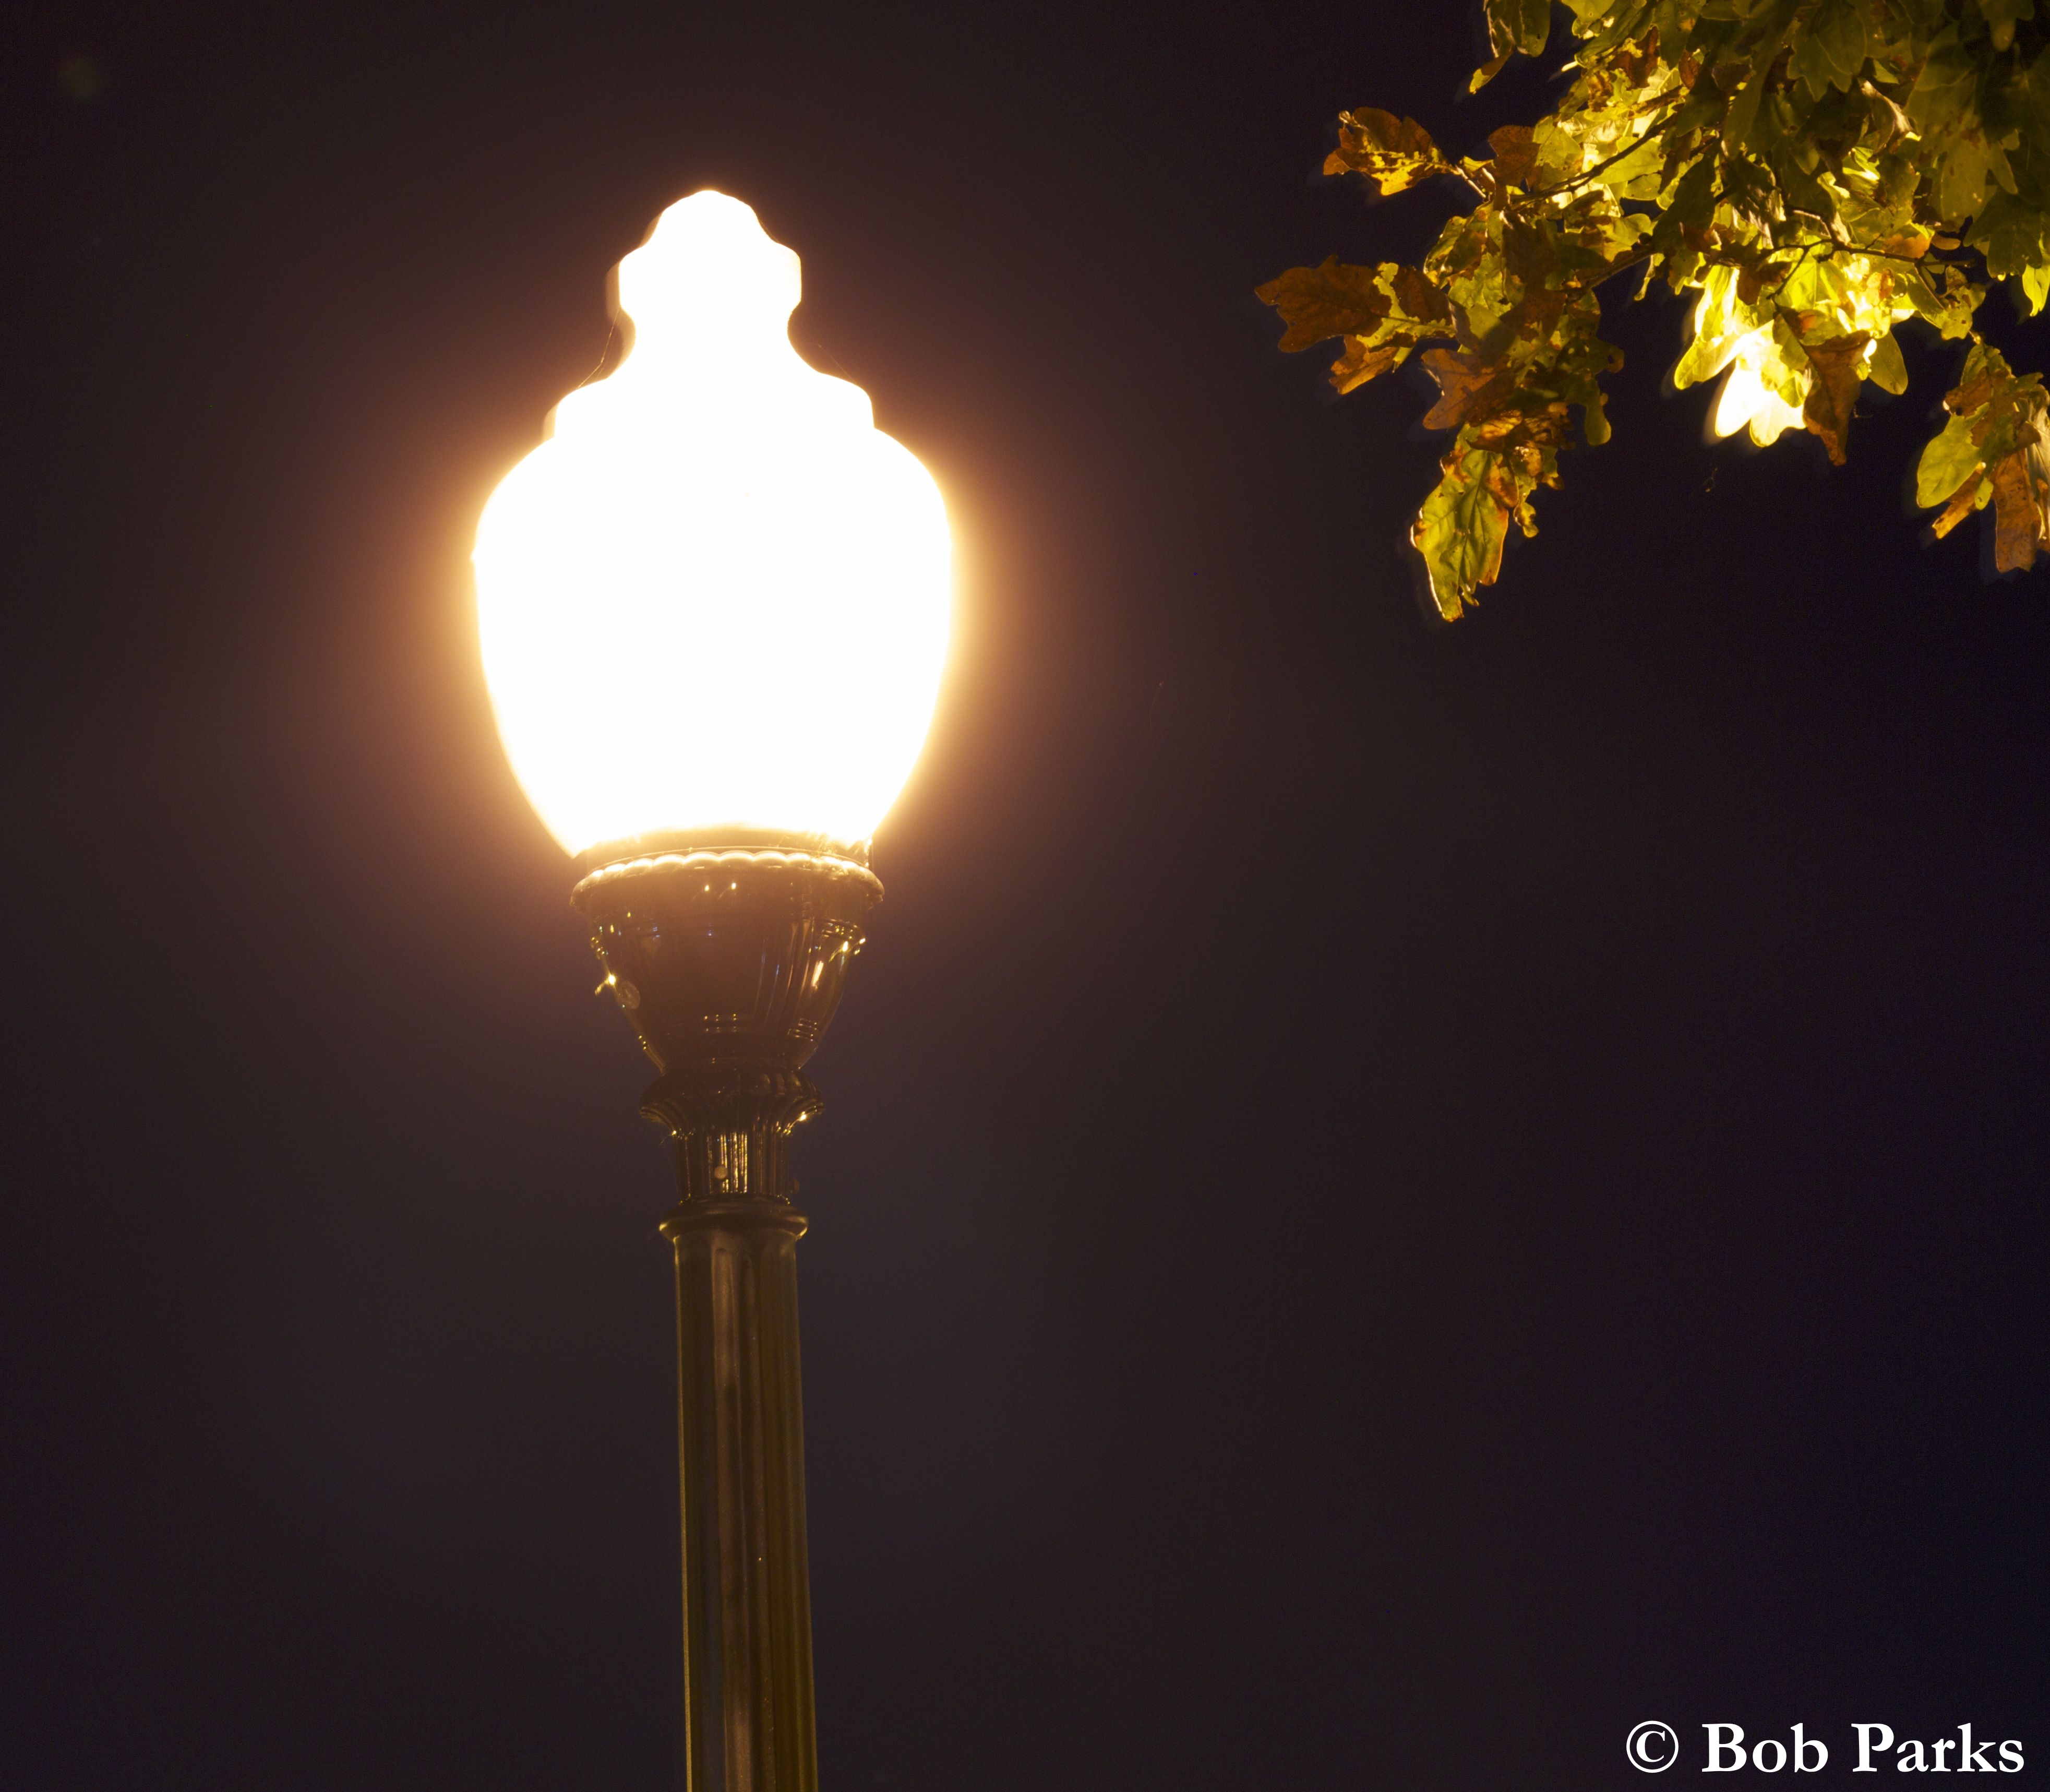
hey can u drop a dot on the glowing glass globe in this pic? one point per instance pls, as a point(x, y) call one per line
point(718, 596)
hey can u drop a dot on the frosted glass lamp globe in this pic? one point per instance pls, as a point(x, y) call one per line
point(717, 596)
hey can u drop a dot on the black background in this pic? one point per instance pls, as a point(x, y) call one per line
point(1392, 1200)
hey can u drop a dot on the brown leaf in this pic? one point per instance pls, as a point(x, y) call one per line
point(1414, 294)
point(1503, 485)
point(1394, 153)
point(1334, 299)
point(1527, 435)
point(1467, 383)
point(2020, 513)
point(1637, 60)
point(1964, 399)
point(1911, 245)
point(1837, 367)
point(1362, 361)
point(1515, 153)
point(1518, 24)
point(1962, 503)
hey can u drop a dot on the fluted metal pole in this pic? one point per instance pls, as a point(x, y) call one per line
point(747, 1619)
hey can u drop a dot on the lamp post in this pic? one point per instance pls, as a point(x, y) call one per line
point(713, 607)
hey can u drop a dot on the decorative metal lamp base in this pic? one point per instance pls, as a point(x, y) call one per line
point(728, 952)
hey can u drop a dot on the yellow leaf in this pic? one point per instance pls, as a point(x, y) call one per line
point(1719, 324)
point(1487, 71)
point(1394, 153)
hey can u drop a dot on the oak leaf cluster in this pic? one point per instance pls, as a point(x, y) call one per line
point(1812, 173)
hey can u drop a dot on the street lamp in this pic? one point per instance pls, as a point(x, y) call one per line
point(714, 608)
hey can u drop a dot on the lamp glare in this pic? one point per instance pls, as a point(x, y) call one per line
point(717, 594)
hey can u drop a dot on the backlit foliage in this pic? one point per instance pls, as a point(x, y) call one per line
point(1813, 172)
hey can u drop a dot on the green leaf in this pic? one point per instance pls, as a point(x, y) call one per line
point(2008, 233)
point(1994, 449)
point(1945, 96)
point(1944, 297)
point(1831, 53)
point(1743, 113)
point(2029, 94)
point(1693, 204)
point(1961, 183)
point(1950, 457)
point(1888, 371)
point(1460, 530)
point(2001, 14)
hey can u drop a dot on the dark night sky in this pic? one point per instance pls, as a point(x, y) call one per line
point(1392, 1200)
